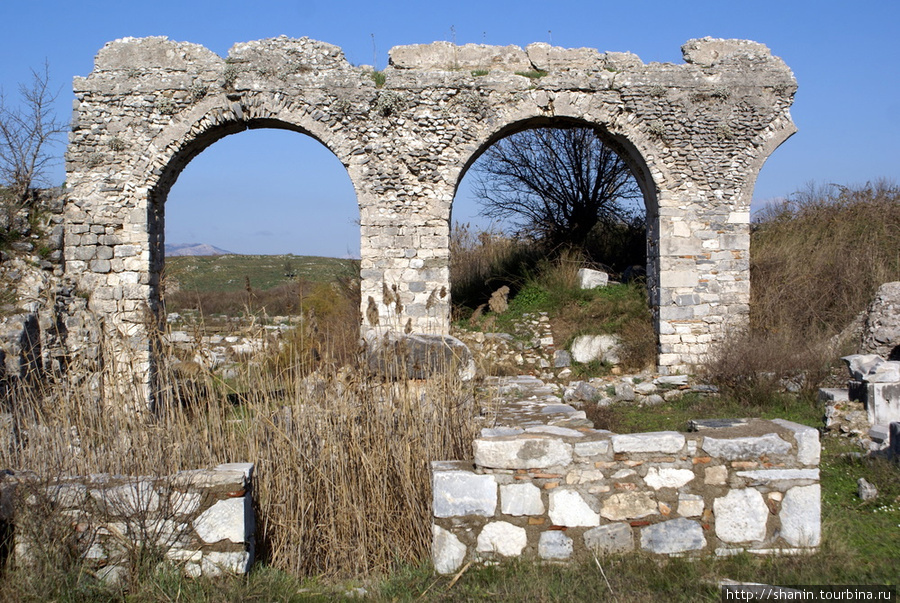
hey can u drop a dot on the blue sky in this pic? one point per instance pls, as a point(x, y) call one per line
point(280, 192)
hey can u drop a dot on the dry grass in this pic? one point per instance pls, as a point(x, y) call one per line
point(482, 262)
point(817, 258)
point(342, 457)
point(816, 262)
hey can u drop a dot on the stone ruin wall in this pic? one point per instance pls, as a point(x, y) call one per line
point(557, 494)
point(201, 519)
point(696, 135)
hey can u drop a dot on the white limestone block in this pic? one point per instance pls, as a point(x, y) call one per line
point(527, 451)
point(609, 538)
point(228, 519)
point(568, 508)
point(555, 545)
point(667, 477)
point(447, 552)
point(586, 348)
point(216, 563)
point(521, 499)
point(741, 516)
point(593, 448)
point(773, 476)
point(591, 279)
point(459, 493)
point(502, 538)
point(673, 536)
point(801, 516)
point(739, 449)
point(668, 442)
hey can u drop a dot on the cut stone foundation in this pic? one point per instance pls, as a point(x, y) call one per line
point(553, 488)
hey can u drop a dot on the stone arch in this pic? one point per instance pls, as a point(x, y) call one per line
point(627, 149)
point(531, 117)
point(180, 144)
point(697, 134)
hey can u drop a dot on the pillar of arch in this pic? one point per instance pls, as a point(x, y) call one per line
point(696, 135)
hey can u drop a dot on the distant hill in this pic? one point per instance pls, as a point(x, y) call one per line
point(194, 249)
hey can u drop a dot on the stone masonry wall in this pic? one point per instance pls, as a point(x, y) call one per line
point(553, 492)
point(202, 519)
point(696, 135)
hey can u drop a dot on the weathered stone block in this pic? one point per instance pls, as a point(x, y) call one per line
point(883, 402)
point(569, 508)
point(216, 563)
point(587, 348)
point(502, 538)
point(521, 499)
point(667, 477)
point(609, 538)
point(673, 536)
point(447, 56)
point(628, 505)
point(447, 552)
point(741, 516)
point(773, 476)
point(738, 449)
point(591, 279)
point(668, 442)
point(555, 545)
point(547, 57)
point(801, 516)
point(460, 493)
point(690, 505)
point(229, 519)
point(525, 451)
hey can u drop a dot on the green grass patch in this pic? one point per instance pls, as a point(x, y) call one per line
point(231, 272)
point(627, 417)
point(533, 74)
point(379, 78)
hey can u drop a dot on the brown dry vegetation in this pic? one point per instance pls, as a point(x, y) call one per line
point(342, 482)
point(481, 262)
point(816, 260)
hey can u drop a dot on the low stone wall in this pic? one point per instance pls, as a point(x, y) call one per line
point(553, 492)
point(202, 519)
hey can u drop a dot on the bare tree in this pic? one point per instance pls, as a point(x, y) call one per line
point(27, 133)
point(556, 184)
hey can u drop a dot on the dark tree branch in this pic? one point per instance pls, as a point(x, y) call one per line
point(27, 132)
point(556, 184)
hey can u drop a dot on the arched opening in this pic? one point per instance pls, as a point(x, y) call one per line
point(565, 195)
point(254, 251)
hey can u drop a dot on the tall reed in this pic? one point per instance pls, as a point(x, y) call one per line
point(342, 482)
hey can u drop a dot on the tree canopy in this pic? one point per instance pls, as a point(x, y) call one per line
point(556, 184)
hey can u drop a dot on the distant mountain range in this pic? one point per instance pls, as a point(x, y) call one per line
point(194, 249)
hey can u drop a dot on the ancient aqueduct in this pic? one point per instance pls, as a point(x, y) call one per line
point(696, 135)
